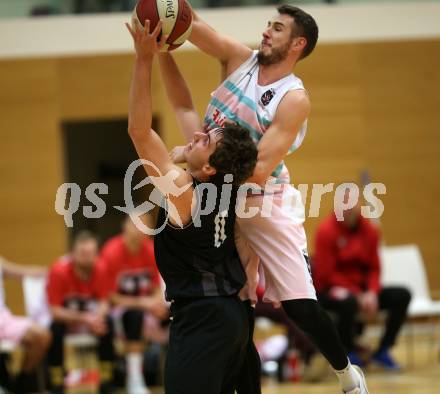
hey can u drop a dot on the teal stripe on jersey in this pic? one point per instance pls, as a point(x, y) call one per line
point(276, 173)
point(256, 136)
point(253, 106)
point(247, 101)
point(239, 93)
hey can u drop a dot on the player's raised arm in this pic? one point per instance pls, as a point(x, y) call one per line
point(229, 52)
point(279, 137)
point(179, 96)
point(148, 144)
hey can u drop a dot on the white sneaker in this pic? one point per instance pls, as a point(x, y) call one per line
point(136, 386)
point(362, 389)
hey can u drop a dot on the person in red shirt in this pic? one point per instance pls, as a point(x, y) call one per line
point(347, 278)
point(77, 296)
point(135, 286)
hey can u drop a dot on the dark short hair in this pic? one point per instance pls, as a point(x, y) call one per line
point(83, 236)
point(304, 26)
point(236, 154)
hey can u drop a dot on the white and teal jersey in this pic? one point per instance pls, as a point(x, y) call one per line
point(241, 100)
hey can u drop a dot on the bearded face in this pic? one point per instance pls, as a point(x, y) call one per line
point(273, 55)
point(277, 40)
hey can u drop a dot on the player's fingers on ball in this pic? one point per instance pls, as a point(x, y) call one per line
point(147, 27)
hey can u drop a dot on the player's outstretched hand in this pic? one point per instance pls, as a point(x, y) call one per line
point(146, 44)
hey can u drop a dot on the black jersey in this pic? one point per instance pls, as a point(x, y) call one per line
point(201, 260)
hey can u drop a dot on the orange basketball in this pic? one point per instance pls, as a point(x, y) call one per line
point(175, 14)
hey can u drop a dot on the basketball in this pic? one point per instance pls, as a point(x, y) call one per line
point(175, 14)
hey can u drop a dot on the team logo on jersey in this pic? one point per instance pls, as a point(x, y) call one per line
point(82, 303)
point(267, 97)
point(137, 283)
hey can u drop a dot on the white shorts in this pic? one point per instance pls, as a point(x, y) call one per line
point(12, 328)
point(280, 242)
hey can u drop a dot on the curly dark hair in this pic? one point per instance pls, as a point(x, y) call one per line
point(304, 26)
point(236, 154)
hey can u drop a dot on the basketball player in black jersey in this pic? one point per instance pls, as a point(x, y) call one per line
point(195, 252)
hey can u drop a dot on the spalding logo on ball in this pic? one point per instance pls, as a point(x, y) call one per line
point(176, 16)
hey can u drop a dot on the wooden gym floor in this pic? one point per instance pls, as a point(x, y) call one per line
point(424, 380)
point(420, 375)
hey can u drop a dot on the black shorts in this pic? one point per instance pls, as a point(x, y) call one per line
point(208, 339)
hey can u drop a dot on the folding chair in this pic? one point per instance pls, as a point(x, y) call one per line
point(403, 265)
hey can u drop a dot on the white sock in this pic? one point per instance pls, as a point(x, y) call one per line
point(134, 366)
point(348, 378)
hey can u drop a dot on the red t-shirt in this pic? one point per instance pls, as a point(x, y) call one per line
point(347, 258)
point(127, 273)
point(64, 288)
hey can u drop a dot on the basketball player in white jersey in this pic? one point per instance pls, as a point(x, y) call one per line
point(260, 93)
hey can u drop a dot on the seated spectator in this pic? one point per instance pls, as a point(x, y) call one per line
point(347, 279)
point(76, 293)
point(135, 288)
point(20, 330)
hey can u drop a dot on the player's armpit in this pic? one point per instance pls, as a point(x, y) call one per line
point(279, 137)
